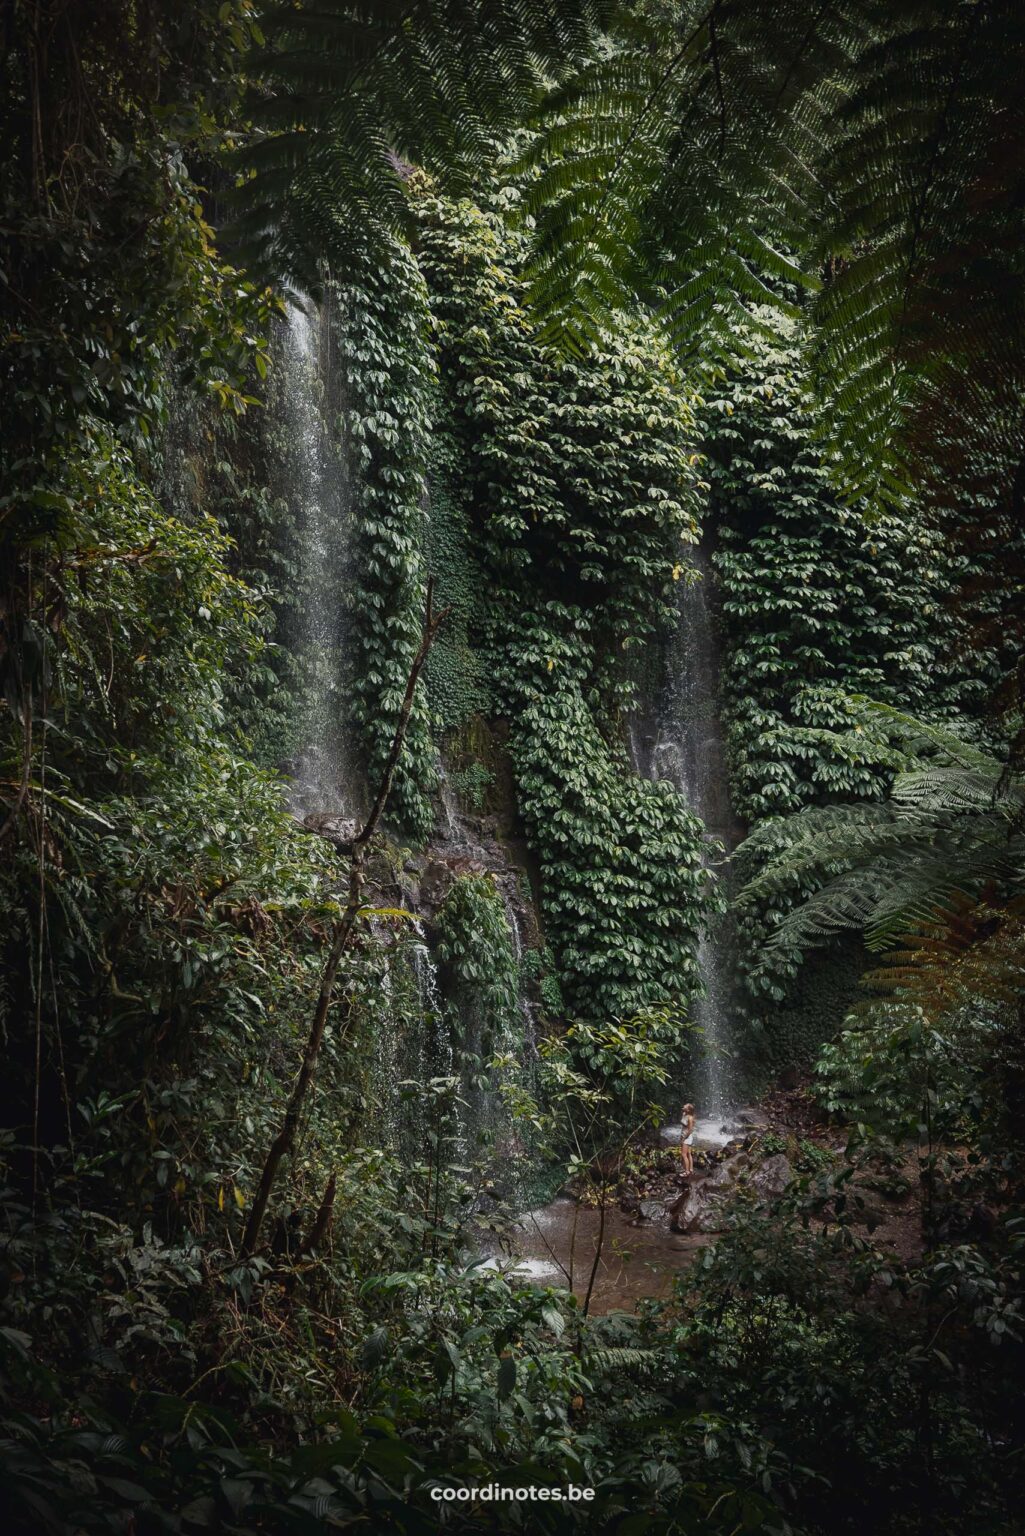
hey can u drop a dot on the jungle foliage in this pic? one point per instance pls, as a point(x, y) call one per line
point(558, 252)
point(575, 482)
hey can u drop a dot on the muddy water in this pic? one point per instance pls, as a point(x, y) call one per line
point(556, 1245)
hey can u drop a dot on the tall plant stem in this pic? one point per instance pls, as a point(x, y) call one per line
point(599, 1246)
point(284, 1142)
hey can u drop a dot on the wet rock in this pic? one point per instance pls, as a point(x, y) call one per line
point(772, 1176)
point(340, 830)
point(722, 1175)
point(680, 1210)
point(438, 877)
point(729, 1170)
point(654, 1210)
point(711, 1218)
point(742, 1123)
point(701, 1209)
point(704, 1206)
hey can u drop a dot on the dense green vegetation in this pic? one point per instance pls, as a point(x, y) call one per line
point(592, 284)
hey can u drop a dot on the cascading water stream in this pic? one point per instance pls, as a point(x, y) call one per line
point(435, 1054)
point(689, 750)
point(528, 1027)
point(314, 482)
point(482, 1114)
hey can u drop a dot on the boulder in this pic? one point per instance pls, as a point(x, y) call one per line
point(700, 1209)
point(711, 1217)
point(722, 1175)
point(752, 1119)
point(340, 830)
point(703, 1206)
point(772, 1176)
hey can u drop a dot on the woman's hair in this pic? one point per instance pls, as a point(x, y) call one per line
point(688, 1108)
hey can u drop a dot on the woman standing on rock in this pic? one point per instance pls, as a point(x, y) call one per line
point(687, 1123)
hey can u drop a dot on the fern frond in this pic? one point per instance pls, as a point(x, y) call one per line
point(951, 829)
point(879, 144)
point(624, 1359)
point(345, 97)
point(699, 192)
point(969, 955)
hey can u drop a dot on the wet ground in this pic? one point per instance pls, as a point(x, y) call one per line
point(556, 1245)
point(640, 1257)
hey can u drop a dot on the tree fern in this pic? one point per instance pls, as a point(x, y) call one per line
point(679, 165)
point(878, 141)
point(346, 95)
point(970, 953)
point(920, 326)
point(935, 871)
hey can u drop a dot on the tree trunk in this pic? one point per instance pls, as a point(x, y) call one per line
point(284, 1142)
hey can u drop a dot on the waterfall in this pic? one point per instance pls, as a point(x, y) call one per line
point(456, 831)
point(689, 750)
point(435, 1047)
point(528, 1028)
point(314, 483)
point(485, 1125)
point(410, 1046)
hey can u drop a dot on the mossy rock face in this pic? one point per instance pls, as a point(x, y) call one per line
point(480, 771)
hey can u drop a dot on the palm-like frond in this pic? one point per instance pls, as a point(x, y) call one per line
point(952, 824)
point(346, 94)
point(921, 326)
point(944, 788)
point(881, 142)
point(969, 954)
point(681, 165)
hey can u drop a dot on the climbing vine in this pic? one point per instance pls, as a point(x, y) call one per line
point(579, 474)
point(475, 949)
point(624, 891)
point(387, 369)
point(458, 687)
point(818, 603)
point(576, 482)
point(816, 598)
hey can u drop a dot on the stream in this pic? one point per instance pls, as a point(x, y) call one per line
point(641, 1256)
point(555, 1246)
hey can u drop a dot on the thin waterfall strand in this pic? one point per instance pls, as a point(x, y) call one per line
point(690, 751)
